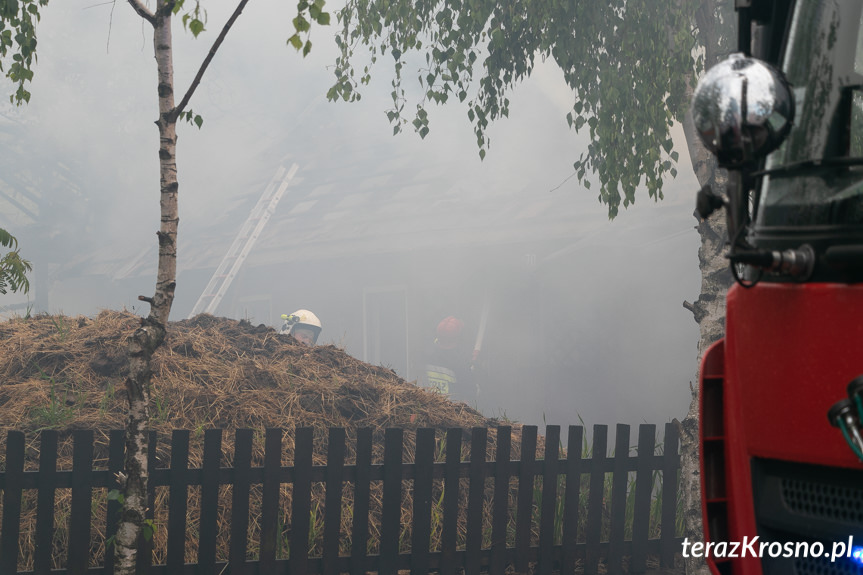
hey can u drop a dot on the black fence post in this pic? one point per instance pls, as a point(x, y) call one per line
point(270, 500)
point(240, 500)
point(594, 502)
point(178, 501)
point(209, 500)
point(524, 505)
point(476, 489)
point(47, 483)
point(333, 502)
point(392, 501)
point(82, 496)
point(500, 504)
point(301, 503)
point(450, 501)
point(571, 499)
point(423, 481)
point(362, 488)
point(12, 486)
point(620, 477)
point(116, 456)
point(549, 499)
point(643, 490)
point(670, 465)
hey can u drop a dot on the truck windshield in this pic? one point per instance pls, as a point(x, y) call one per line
point(814, 181)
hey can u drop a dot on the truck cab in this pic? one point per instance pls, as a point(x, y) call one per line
point(781, 396)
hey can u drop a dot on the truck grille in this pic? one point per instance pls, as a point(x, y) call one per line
point(820, 500)
point(821, 566)
point(799, 502)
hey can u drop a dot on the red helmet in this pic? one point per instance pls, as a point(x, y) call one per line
point(448, 331)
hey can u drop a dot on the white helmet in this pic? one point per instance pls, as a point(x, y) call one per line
point(302, 322)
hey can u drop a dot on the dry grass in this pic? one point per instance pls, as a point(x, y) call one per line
point(65, 373)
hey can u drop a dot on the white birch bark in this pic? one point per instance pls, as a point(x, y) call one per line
point(151, 334)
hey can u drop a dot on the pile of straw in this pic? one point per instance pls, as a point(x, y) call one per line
point(63, 372)
point(67, 373)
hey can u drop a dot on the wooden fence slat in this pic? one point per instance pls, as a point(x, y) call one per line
point(450, 501)
point(333, 502)
point(12, 502)
point(209, 500)
point(423, 481)
point(620, 477)
point(594, 503)
point(500, 504)
point(301, 500)
point(643, 489)
point(116, 454)
point(178, 500)
point(571, 499)
point(240, 500)
point(670, 464)
point(362, 485)
point(392, 503)
point(476, 474)
point(549, 499)
point(145, 546)
point(79, 513)
point(524, 509)
point(45, 502)
point(270, 500)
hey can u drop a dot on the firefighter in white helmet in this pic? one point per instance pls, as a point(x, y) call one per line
point(303, 325)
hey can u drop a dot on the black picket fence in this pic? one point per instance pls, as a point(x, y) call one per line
point(563, 513)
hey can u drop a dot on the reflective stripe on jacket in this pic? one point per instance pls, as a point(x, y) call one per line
point(439, 378)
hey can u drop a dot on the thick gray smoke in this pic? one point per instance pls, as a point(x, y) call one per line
point(380, 236)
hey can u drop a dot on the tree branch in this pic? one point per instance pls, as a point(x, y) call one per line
point(142, 11)
point(178, 109)
point(166, 8)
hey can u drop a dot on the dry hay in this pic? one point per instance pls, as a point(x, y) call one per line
point(66, 373)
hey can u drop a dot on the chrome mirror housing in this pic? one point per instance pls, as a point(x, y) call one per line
point(743, 109)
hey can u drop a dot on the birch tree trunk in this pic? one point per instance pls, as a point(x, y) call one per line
point(151, 334)
point(709, 309)
point(709, 312)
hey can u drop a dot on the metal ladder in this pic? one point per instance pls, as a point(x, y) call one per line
point(245, 240)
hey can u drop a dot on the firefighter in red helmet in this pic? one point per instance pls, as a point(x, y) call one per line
point(449, 332)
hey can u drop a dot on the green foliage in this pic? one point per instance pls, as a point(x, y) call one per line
point(148, 529)
point(194, 20)
point(13, 269)
point(107, 399)
point(629, 66)
point(57, 413)
point(307, 12)
point(192, 118)
point(18, 42)
point(61, 327)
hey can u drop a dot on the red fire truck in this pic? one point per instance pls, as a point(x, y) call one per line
point(782, 394)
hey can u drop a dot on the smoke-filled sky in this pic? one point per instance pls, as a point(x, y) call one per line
point(633, 345)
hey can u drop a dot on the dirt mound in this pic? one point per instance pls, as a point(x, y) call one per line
point(61, 372)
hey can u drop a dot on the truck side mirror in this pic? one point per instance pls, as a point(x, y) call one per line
point(742, 109)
